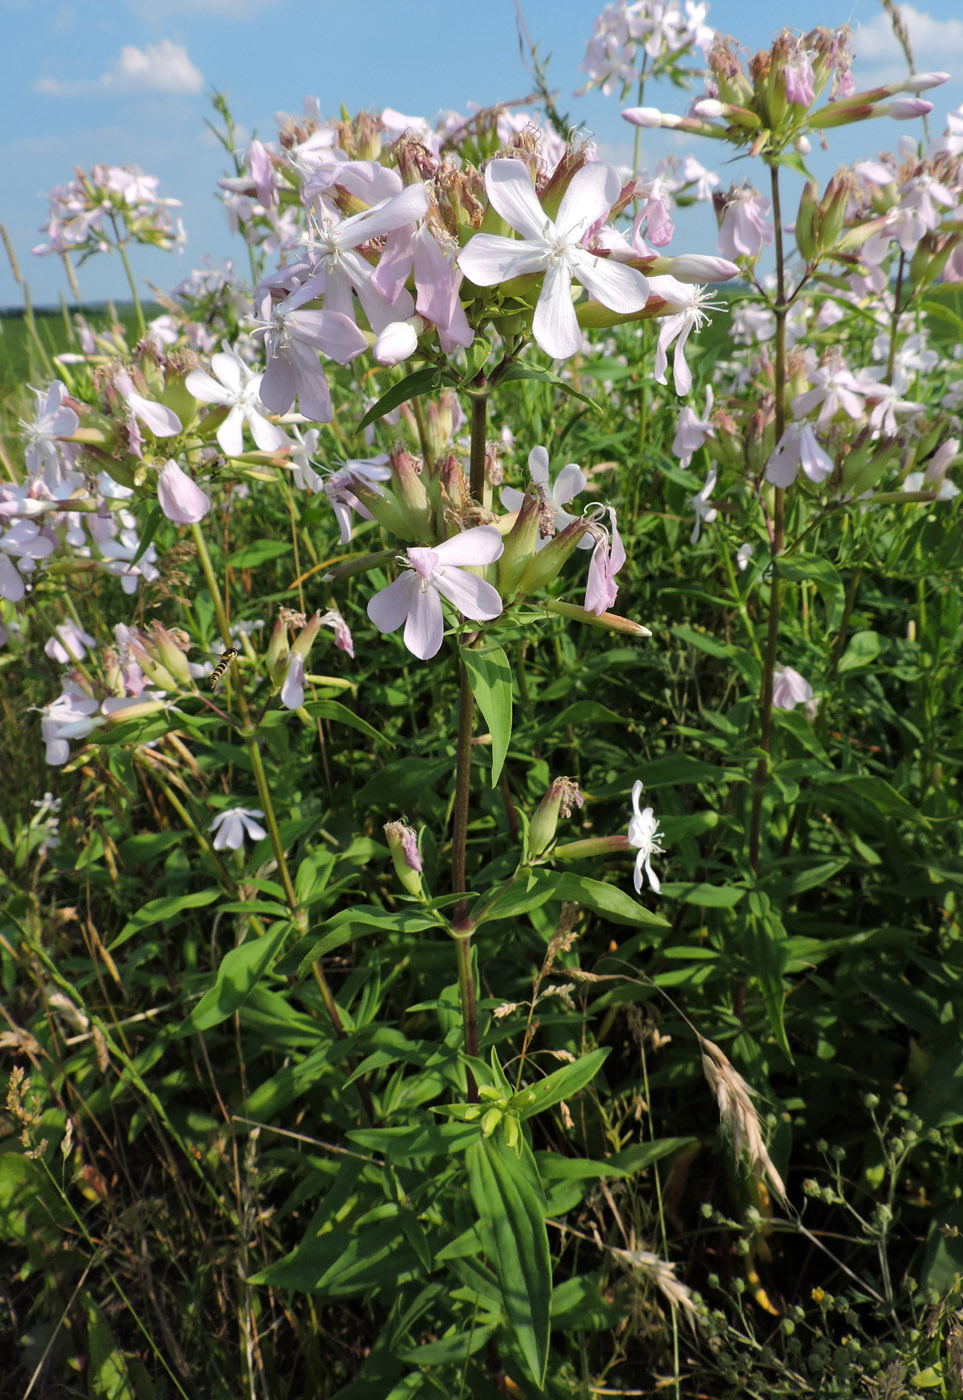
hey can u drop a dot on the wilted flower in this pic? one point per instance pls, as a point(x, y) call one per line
point(608, 557)
point(180, 499)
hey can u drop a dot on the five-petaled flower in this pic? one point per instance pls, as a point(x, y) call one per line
point(554, 248)
point(644, 833)
point(415, 596)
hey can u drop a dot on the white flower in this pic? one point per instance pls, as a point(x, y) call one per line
point(687, 306)
point(798, 448)
point(568, 484)
point(233, 824)
point(238, 389)
point(180, 498)
point(554, 248)
point(644, 833)
point(704, 512)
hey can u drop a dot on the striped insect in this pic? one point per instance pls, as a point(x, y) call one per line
point(222, 666)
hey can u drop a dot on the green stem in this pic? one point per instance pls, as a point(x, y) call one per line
point(141, 323)
point(479, 418)
point(894, 323)
point(248, 735)
point(459, 836)
point(780, 310)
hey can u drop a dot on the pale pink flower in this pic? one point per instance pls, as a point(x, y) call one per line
point(54, 420)
point(797, 448)
point(704, 512)
point(180, 499)
point(745, 224)
point(162, 421)
point(438, 279)
point(687, 306)
point(835, 388)
point(292, 691)
point(293, 337)
point(398, 341)
point(337, 488)
point(415, 596)
point(692, 431)
point(934, 477)
point(554, 248)
point(569, 483)
point(608, 556)
point(789, 689)
point(69, 644)
point(71, 716)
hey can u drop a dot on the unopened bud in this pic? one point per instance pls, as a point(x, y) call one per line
point(609, 622)
point(520, 543)
point(903, 109)
point(403, 845)
point(805, 217)
point(398, 341)
point(558, 801)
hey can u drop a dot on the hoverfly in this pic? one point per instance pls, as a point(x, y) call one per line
point(222, 666)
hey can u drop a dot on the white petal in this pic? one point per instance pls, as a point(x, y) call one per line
point(228, 370)
point(206, 389)
point(512, 195)
point(230, 435)
point(481, 545)
point(616, 286)
point(569, 483)
point(470, 594)
point(491, 258)
point(554, 324)
point(591, 193)
point(538, 467)
point(389, 608)
point(425, 627)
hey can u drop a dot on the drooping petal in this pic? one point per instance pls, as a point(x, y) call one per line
point(180, 499)
point(554, 324)
point(230, 435)
point(569, 483)
point(425, 627)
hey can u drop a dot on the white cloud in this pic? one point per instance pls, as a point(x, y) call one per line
point(936, 43)
point(162, 67)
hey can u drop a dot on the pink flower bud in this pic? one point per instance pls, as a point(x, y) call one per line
point(398, 341)
point(903, 109)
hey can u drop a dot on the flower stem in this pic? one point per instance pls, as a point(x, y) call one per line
point(780, 310)
point(141, 323)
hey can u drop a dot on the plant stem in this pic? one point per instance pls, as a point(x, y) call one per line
point(141, 323)
point(248, 734)
point(780, 310)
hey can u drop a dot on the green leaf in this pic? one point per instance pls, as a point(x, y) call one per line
point(239, 973)
point(155, 911)
point(258, 553)
point(519, 370)
point(702, 895)
point(413, 386)
point(862, 650)
point(108, 1377)
point(334, 710)
point(813, 568)
point(150, 530)
point(563, 1083)
point(607, 900)
point(516, 1242)
point(490, 677)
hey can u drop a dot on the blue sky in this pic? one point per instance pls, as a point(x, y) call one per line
point(126, 82)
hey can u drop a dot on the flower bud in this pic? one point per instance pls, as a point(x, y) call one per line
point(170, 651)
point(410, 493)
point(277, 653)
point(805, 217)
point(398, 341)
point(609, 622)
point(558, 801)
point(520, 543)
point(695, 268)
point(904, 109)
point(403, 845)
point(547, 564)
point(302, 643)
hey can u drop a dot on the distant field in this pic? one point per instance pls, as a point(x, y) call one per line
point(20, 360)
